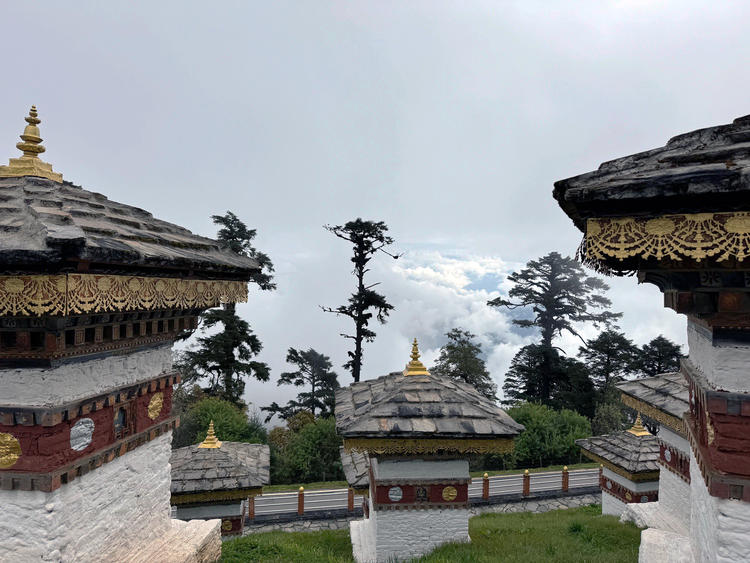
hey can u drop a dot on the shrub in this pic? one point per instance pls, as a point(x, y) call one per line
point(550, 435)
point(230, 424)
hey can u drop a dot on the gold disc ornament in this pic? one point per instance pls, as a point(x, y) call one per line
point(10, 450)
point(226, 525)
point(155, 405)
point(450, 493)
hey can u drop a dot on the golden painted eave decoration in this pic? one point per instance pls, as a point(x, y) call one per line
point(215, 496)
point(29, 164)
point(650, 411)
point(71, 294)
point(404, 446)
point(635, 477)
point(722, 236)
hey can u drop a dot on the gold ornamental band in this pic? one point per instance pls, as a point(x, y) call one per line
point(429, 445)
point(70, 294)
point(635, 477)
point(213, 496)
point(696, 236)
point(650, 411)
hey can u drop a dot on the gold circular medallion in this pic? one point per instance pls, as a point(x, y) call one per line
point(134, 284)
point(739, 225)
point(628, 496)
point(104, 283)
point(450, 493)
point(10, 450)
point(155, 405)
point(226, 525)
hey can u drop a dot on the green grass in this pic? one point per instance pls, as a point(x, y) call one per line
point(343, 484)
point(303, 547)
point(308, 486)
point(578, 535)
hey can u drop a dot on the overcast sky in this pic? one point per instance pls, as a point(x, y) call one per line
point(449, 121)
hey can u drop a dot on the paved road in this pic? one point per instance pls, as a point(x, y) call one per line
point(281, 503)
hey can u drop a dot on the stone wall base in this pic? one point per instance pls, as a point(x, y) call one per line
point(664, 547)
point(194, 541)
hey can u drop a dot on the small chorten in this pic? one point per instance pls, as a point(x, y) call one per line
point(30, 164)
point(211, 440)
point(415, 367)
point(638, 429)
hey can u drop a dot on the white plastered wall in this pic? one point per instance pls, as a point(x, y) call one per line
point(611, 505)
point(77, 380)
point(719, 528)
point(724, 365)
point(110, 510)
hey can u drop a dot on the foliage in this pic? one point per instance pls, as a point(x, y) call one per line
point(278, 437)
point(230, 424)
point(610, 358)
point(312, 454)
point(299, 420)
point(609, 418)
point(313, 370)
point(235, 236)
point(559, 536)
point(568, 382)
point(559, 295)
point(550, 435)
point(461, 358)
point(225, 358)
point(327, 546)
point(367, 239)
point(661, 355)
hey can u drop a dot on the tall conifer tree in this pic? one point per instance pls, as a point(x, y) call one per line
point(367, 239)
point(225, 357)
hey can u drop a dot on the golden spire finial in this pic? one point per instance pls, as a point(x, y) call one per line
point(415, 367)
point(29, 164)
point(211, 440)
point(638, 429)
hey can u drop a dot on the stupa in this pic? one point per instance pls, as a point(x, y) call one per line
point(678, 217)
point(630, 468)
point(664, 399)
point(92, 295)
point(215, 479)
point(417, 431)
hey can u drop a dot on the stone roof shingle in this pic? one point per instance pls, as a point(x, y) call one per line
point(634, 454)
point(667, 392)
point(356, 466)
point(704, 170)
point(235, 465)
point(45, 223)
point(398, 406)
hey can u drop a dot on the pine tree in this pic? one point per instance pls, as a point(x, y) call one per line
point(661, 355)
point(559, 294)
point(367, 238)
point(225, 358)
point(313, 370)
point(461, 358)
point(610, 358)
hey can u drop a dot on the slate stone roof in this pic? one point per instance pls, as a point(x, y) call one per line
point(667, 392)
point(44, 223)
point(356, 468)
point(704, 170)
point(235, 465)
point(634, 454)
point(419, 406)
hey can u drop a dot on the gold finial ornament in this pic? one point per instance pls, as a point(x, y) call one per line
point(415, 367)
point(638, 429)
point(29, 164)
point(211, 440)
